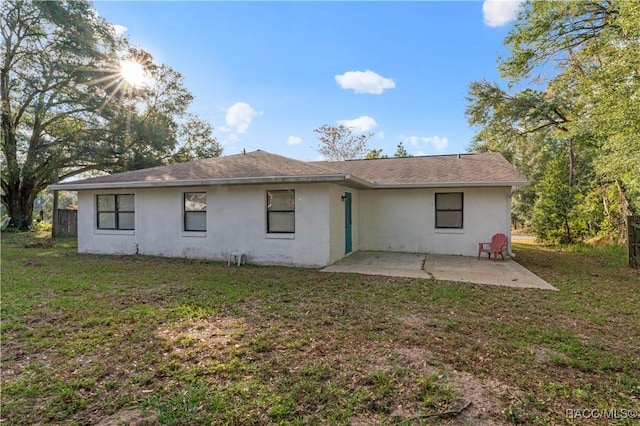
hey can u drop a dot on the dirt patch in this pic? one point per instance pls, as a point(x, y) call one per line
point(202, 335)
point(39, 244)
point(485, 397)
point(480, 401)
point(130, 418)
point(544, 355)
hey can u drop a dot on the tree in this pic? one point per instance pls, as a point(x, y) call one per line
point(552, 208)
point(401, 151)
point(374, 153)
point(66, 107)
point(580, 61)
point(339, 143)
point(198, 141)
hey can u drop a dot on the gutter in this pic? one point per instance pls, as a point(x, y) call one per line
point(510, 246)
point(449, 184)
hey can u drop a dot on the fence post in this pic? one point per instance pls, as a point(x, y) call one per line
point(633, 240)
point(55, 226)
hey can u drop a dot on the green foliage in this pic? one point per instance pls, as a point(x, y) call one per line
point(432, 393)
point(401, 151)
point(556, 217)
point(374, 153)
point(40, 226)
point(66, 107)
point(578, 62)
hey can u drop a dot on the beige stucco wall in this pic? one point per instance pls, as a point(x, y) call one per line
point(236, 221)
point(404, 220)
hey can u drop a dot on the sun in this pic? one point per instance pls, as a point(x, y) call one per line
point(133, 72)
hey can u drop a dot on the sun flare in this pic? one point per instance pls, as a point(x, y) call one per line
point(133, 72)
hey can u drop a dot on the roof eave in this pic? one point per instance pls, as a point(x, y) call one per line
point(379, 185)
point(349, 179)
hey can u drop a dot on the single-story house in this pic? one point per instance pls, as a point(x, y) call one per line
point(278, 210)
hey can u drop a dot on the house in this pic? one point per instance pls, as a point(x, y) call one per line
point(279, 210)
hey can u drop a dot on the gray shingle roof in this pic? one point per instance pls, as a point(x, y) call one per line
point(490, 168)
point(263, 167)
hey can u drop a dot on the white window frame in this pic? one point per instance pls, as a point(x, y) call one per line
point(442, 210)
point(116, 212)
point(186, 212)
point(291, 210)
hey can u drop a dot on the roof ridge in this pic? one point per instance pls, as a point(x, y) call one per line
point(406, 158)
point(422, 156)
point(307, 163)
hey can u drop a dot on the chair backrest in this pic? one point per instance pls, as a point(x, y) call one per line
point(497, 241)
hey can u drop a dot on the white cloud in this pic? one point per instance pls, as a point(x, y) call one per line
point(239, 116)
point(360, 124)
point(365, 82)
point(413, 140)
point(294, 140)
point(119, 29)
point(499, 12)
point(436, 143)
point(381, 135)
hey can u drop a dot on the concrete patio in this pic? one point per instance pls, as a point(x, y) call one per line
point(440, 267)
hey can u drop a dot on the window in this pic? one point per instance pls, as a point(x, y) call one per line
point(116, 212)
point(449, 210)
point(281, 212)
point(195, 211)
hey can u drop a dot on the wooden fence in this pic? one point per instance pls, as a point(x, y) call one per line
point(633, 240)
point(67, 225)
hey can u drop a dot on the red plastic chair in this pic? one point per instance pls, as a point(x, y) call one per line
point(497, 246)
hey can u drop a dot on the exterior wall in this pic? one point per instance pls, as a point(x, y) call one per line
point(236, 221)
point(92, 240)
point(383, 220)
point(404, 220)
point(337, 221)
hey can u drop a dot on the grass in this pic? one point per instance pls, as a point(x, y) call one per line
point(89, 338)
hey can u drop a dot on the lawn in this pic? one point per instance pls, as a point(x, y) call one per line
point(90, 339)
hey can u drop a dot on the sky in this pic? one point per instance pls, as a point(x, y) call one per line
point(266, 74)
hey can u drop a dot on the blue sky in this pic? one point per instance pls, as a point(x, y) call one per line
point(265, 74)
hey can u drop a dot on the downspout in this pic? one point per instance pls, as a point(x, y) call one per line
point(509, 251)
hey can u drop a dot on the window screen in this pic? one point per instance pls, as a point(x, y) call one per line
point(115, 211)
point(281, 215)
point(195, 211)
point(449, 209)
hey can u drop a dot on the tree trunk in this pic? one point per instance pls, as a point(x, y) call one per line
point(572, 164)
point(19, 203)
point(55, 220)
point(567, 230)
point(625, 212)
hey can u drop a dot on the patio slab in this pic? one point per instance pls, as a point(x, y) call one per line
point(440, 267)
